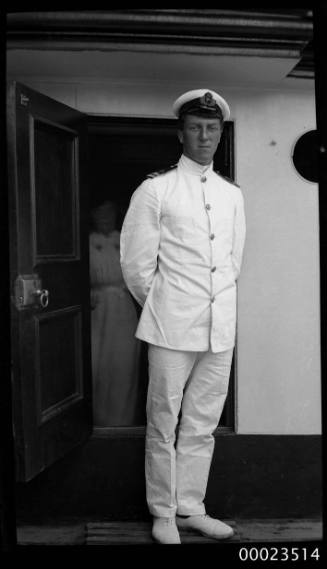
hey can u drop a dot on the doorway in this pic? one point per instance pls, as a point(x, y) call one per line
point(121, 153)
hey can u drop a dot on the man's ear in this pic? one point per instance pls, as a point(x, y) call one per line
point(180, 136)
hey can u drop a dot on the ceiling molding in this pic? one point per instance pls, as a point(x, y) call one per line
point(169, 48)
point(265, 32)
point(204, 25)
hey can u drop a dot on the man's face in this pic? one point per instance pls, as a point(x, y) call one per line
point(200, 137)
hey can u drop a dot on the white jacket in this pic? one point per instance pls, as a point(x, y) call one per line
point(181, 249)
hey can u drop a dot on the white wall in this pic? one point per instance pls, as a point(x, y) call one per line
point(279, 318)
point(278, 354)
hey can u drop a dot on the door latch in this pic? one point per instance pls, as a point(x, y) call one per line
point(28, 292)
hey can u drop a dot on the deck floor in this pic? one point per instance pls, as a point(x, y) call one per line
point(139, 532)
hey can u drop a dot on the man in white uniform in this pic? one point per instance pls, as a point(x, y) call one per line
point(181, 250)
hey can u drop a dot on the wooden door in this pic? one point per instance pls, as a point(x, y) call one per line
point(50, 328)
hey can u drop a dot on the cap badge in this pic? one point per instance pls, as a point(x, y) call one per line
point(209, 100)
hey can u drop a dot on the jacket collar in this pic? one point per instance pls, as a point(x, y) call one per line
point(193, 167)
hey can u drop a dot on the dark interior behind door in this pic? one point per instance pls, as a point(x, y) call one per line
point(122, 151)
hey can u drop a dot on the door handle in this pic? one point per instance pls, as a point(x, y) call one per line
point(28, 292)
point(42, 297)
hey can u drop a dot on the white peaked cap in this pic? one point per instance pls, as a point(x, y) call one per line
point(204, 99)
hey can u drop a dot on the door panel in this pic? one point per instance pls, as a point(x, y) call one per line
point(50, 279)
point(56, 151)
point(53, 396)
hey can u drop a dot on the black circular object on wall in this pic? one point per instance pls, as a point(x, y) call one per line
point(305, 156)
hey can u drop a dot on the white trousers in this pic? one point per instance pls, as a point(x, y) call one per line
point(189, 387)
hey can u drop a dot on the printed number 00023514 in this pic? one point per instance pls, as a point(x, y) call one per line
point(278, 554)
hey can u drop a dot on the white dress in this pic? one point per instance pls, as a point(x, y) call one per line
point(115, 350)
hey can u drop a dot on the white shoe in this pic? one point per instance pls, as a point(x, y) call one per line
point(206, 525)
point(164, 530)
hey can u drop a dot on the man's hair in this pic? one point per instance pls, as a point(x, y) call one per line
point(201, 114)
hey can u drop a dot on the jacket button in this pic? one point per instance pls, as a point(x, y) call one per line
point(203, 179)
point(208, 206)
point(213, 269)
point(212, 236)
point(213, 299)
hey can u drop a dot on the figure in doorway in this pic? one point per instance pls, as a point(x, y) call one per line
point(115, 350)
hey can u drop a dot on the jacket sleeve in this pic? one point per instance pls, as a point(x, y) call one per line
point(139, 241)
point(238, 234)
